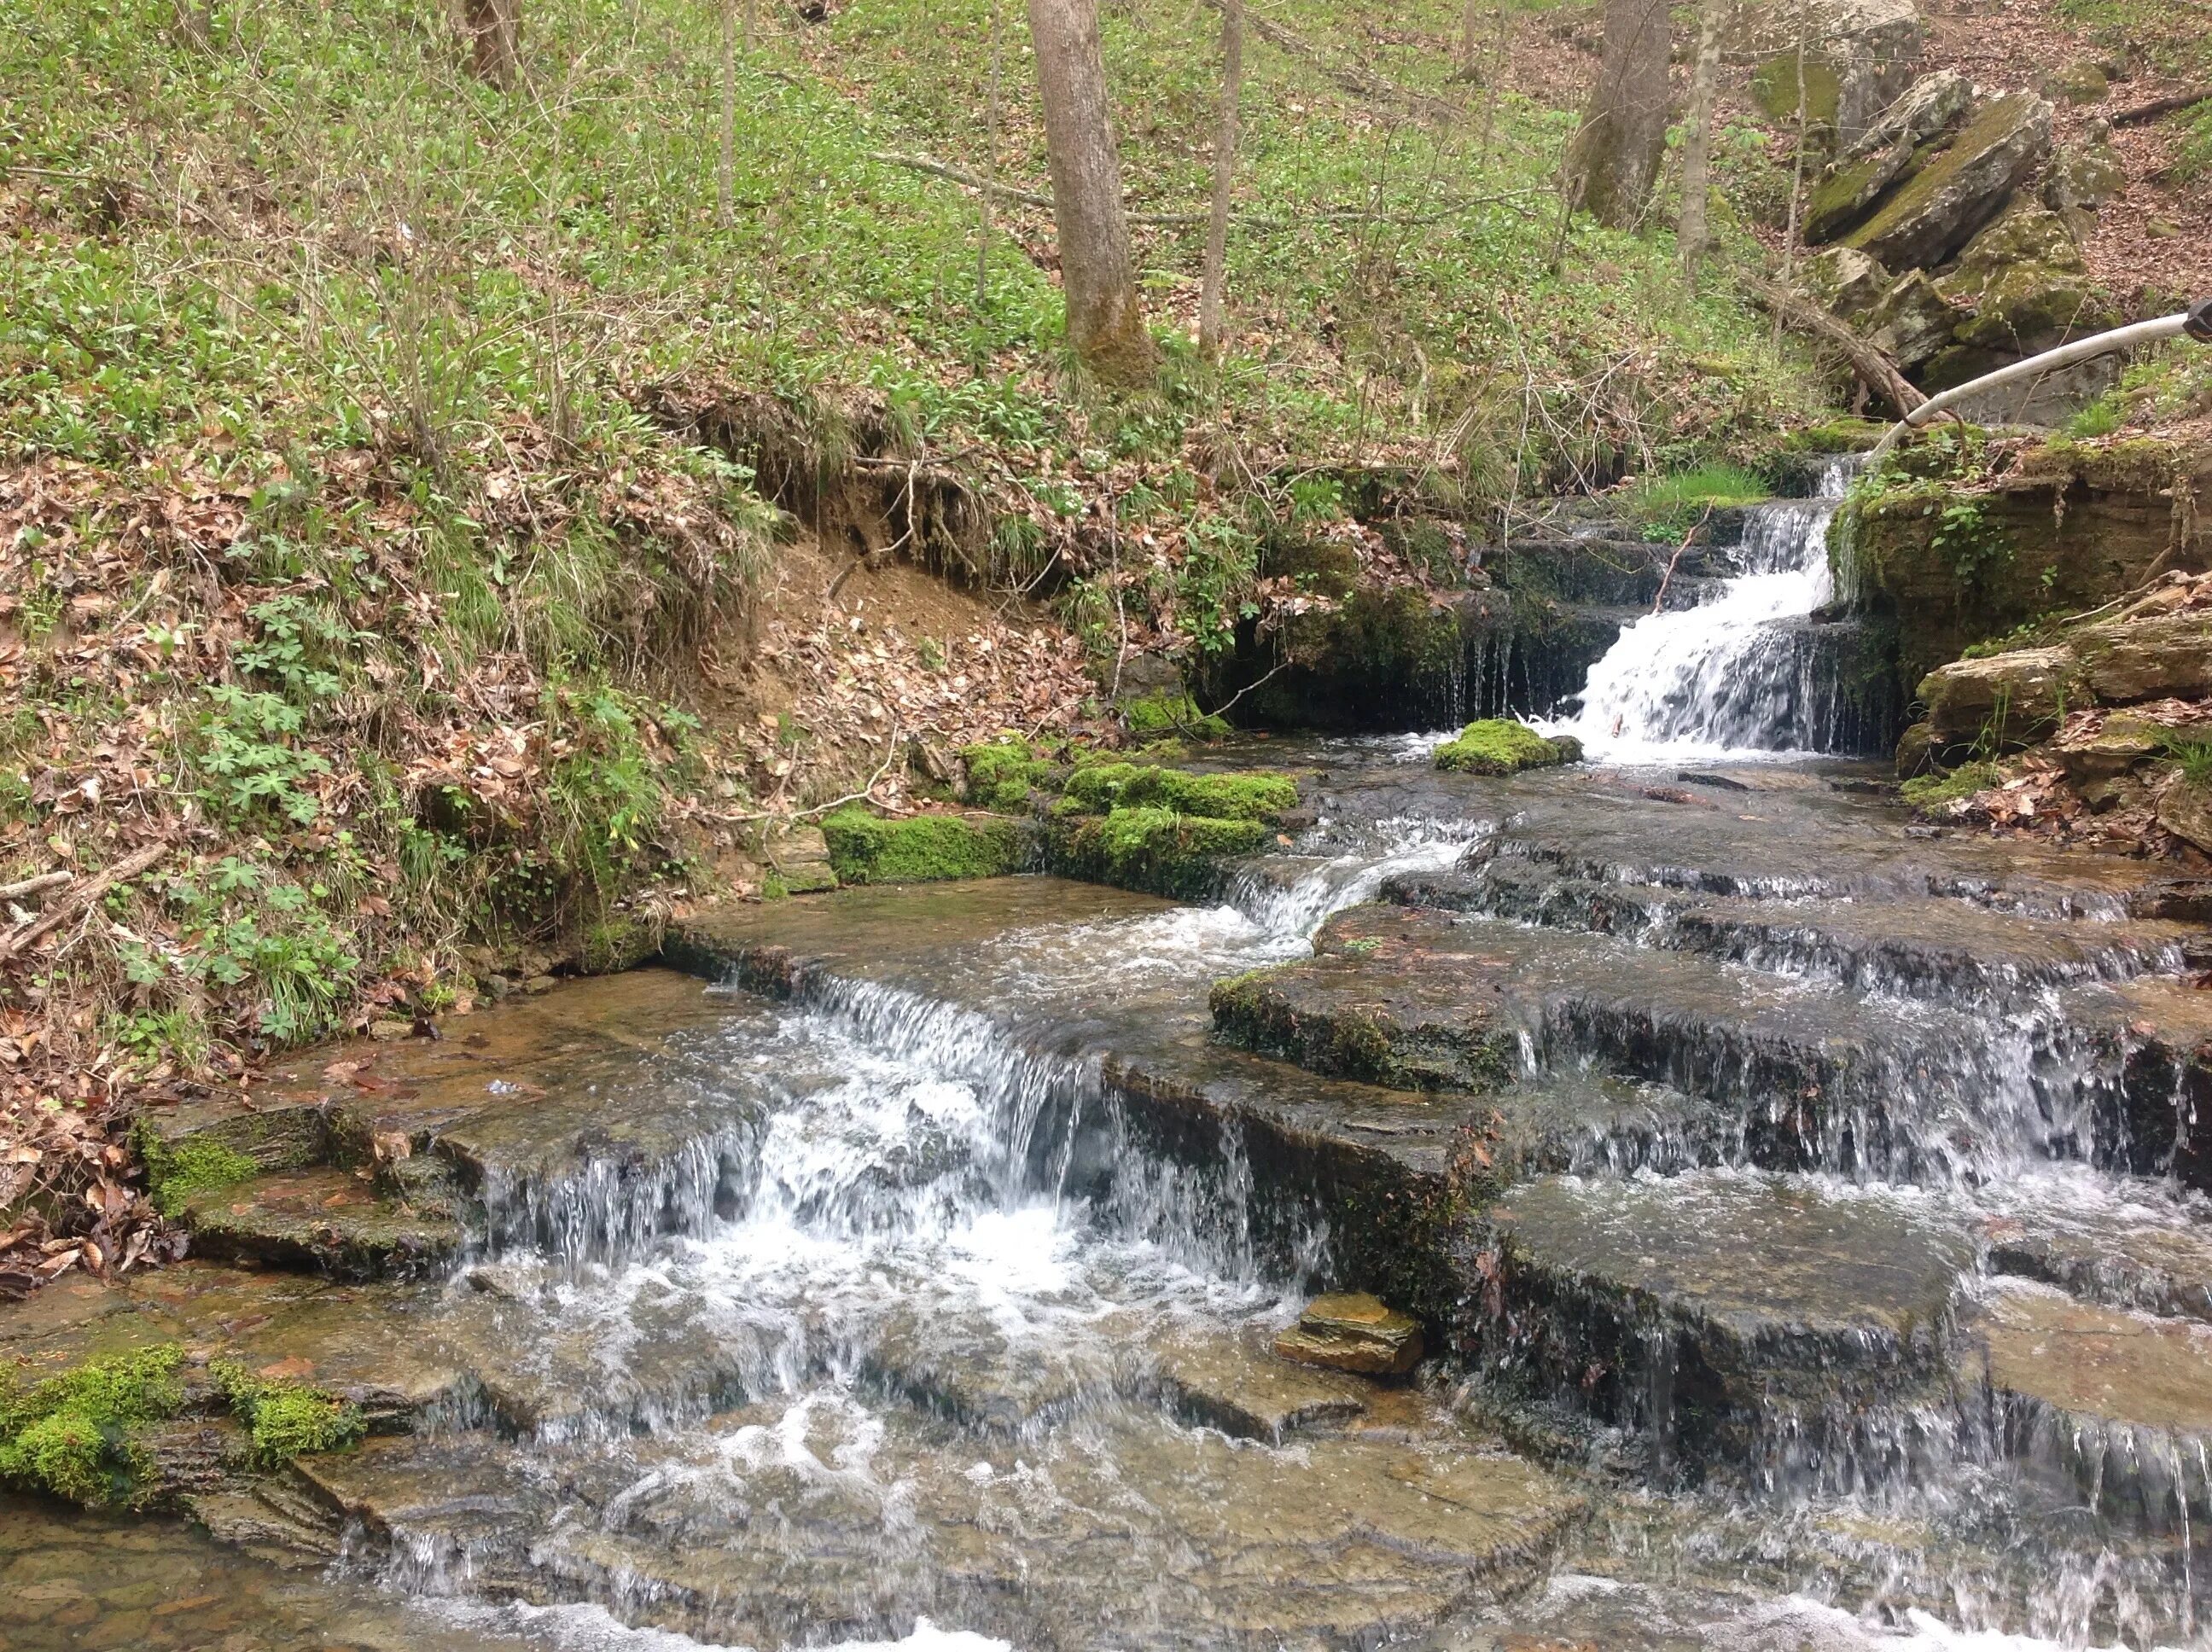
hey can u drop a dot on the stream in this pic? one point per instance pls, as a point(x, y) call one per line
point(915, 1323)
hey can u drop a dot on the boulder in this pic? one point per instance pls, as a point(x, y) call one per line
point(2084, 173)
point(1864, 53)
point(2025, 279)
point(1353, 1333)
point(1850, 284)
point(1912, 320)
point(2118, 745)
point(1958, 186)
point(2011, 698)
point(2147, 657)
point(2082, 81)
point(1934, 105)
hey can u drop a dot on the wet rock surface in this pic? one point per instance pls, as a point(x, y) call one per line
point(1816, 1223)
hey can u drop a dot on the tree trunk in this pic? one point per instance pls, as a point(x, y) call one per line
point(1698, 137)
point(1105, 322)
point(495, 34)
point(1614, 158)
point(1211, 289)
point(725, 159)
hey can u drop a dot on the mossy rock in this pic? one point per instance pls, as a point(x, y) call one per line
point(1260, 796)
point(178, 1170)
point(1927, 791)
point(1774, 84)
point(1152, 848)
point(1153, 715)
point(79, 1435)
point(1002, 774)
point(1499, 746)
point(920, 848)
point(1959, 187)
point(1345, 1017)
point(288, 1419)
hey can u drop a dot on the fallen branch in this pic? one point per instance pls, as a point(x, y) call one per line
point(38, 885)
point(80, 896)
point(2142, 112)
point(1875, 370)
point(1673, 561)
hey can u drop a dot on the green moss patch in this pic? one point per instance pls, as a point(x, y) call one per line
point(1259, 796)
point(1001, 774)
point(176, 1171)
point(77, 1436)
point(1172, 713)
point(920, 848)
point(288, 1419)
point(1499, 746)
point(1152, 848)
point(1932, 791)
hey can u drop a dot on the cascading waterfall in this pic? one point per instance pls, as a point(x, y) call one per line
point(1729, 677)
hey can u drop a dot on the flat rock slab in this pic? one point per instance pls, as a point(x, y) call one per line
point(820, 1517)
point(2123, 1400)
point(1910, 944)
point(324, 1219)
point(1353, 1333)
point(1715, 1305)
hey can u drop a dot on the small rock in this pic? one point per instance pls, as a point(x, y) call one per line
point(1353, 1333)
point(2186, 811)
point(2080, 81)
point(391, 1031)
point(1850, 284)
point(536, 984)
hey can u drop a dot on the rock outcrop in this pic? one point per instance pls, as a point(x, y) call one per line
point(1859, 56)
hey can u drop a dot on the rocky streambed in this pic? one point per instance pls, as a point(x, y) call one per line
point(1805, 1214)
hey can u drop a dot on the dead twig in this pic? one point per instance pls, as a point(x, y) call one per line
point(2143, 113)
point(79, 897)
point(1675, 562)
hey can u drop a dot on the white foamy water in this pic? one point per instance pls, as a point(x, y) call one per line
point(1725, 679)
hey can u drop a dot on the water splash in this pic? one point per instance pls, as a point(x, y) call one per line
point(1725, 678)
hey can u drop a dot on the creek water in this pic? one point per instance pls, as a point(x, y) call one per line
point(1726, 677)
point(907, 1336)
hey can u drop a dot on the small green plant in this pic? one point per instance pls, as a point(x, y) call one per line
point(2190, 751)
point(2101, 418)
point(1669, 506)
point(248, 751)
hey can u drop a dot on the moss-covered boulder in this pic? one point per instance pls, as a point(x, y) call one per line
point(1257, 795)
point(1958, 186)
point(1001, 775)
point(1499, 746)
point(866, 849)
point(1887, 154)
point(1912, 320)
point(1171, 715)
point(1867, 53)
point(1151, 848)
point(2024, 280)
point(1850, 284)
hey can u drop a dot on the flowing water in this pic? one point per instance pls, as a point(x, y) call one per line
point(1728, 677)
point(910, 1326)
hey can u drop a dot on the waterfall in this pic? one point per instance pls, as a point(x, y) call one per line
point(1730, 676)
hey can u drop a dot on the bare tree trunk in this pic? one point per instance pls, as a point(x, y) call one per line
point(1614, 158)
point(1469, 20)
point(495, 32)
point(725, 162)
point(1698, 138)
point(1797, 180)
point(990, 155)
point(1212, 288)
point(1105, 321)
